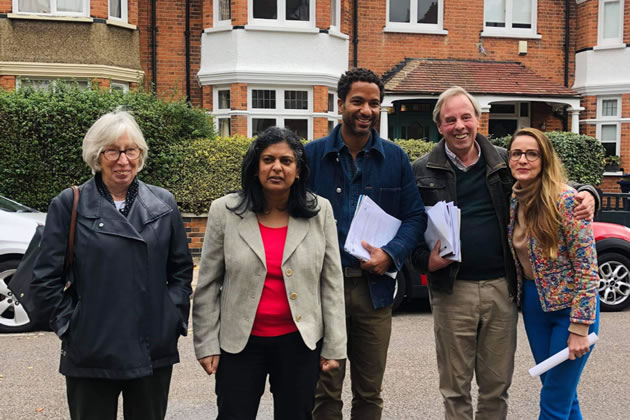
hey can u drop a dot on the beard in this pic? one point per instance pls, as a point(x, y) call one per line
point(350, 121)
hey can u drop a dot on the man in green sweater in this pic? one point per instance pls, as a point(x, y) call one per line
point(473, 302)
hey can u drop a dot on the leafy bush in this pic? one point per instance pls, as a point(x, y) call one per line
point(582, 156)
point(41, 134)
point(206, 170)
point(415, 148)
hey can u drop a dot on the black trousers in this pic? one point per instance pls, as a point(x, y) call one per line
point(293, 371)
point(97, 399)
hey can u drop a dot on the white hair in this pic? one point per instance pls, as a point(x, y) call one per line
point(106, 131)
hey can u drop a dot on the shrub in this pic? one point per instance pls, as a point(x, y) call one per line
point(582, 156)
point(41, 134)
point(415, 148)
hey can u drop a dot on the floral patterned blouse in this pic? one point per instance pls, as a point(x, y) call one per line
point(570, 279)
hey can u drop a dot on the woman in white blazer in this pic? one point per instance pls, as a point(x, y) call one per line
point(269, 299)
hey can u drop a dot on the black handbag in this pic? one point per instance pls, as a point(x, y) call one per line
point(22, 279)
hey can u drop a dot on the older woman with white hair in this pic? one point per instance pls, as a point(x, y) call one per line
point(120, 319)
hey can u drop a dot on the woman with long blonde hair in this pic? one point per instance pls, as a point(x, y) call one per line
point(556, 268)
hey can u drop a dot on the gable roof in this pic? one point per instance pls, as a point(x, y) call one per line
point(433, 76)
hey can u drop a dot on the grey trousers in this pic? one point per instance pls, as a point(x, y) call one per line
point(368, 331)
point(475, 333)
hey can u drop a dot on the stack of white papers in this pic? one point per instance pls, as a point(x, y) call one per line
point(372, 225)
point(443, 222)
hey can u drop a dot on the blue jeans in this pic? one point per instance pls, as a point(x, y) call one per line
point(548, 333)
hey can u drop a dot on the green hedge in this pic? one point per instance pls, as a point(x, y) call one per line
point(582, 156)
point(41, 134)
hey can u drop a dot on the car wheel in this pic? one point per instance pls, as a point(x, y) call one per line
point(614, 281)
point(399, 290)
point(13, 316)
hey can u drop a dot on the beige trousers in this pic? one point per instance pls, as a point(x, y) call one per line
point(475, 333)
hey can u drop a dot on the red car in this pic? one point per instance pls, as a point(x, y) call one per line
point(613, 255)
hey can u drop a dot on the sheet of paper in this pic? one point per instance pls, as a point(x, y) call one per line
point(443, 222)
point(558, 358)
point(372, 225)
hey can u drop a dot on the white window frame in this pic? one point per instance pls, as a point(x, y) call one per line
point(124, 12)
point(279, 113)
point(521, 122)
point(53, 9)
point(609, 42)
point(508, 31)
point(609, 120)
point(215, 17)
point(124, 86)
point(281, 19)
point(415, 27)
point(215, 100)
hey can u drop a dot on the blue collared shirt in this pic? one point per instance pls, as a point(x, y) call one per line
point(381, 171)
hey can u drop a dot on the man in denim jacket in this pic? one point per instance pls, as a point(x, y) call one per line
point(351, 161)
point(473, 302)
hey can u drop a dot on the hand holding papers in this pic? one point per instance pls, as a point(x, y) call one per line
point(372, 225)
point(443, 220)
point(557, 358)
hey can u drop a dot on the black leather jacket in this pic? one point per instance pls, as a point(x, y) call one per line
point(132, 283)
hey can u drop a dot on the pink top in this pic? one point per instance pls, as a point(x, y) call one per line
point(273, 316)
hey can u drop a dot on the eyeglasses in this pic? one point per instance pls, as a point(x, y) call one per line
point(530, 155)
point(114, 154)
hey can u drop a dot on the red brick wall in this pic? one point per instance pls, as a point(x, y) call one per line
point(322, 14)
point(239, 12)
point(609, 184)
point(207, 13)
point(98, 9)
point(587, 24)
point(171, 52)
point(381, 51)
point(195, 230)
point(7, 82)
point(132, 12)
point(6, 6)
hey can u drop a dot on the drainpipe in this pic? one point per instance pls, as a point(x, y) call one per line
point(154, 45)
point(187, 35)
point(355, 34)
point(567, 32)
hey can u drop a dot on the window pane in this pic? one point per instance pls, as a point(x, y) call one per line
point(611, 149)
point(297, 10)
point(263, 99)
point(114, 8)
point(41, 84)
point(265, 9)
point(224, 127)
point(609, 133)
point(609, 108)
point(299, 127)
point(428, 11)
point(399, 10)
point(69, 6)
point(524, 109)
point(331, 125)
point(260, 124)
point(331, 102)
point(224, 99)
point(35, 6)
point(295, 99)
point(502, 108)
point(495, 13)
point(225, 11)
point(333, 12)
point(522, 13)
point(611, 20)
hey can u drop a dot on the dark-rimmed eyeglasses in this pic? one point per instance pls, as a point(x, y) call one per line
point(530, 155)
point(132, 153)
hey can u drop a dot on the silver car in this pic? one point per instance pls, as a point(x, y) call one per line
point(17, 226)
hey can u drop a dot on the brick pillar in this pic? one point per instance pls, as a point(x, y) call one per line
point(484, 124)
point(207, 13)
point(322, 14)
point(132, 12)
point(238, 102)
point(206, 97)
point(98, 9)
point(103, 84)
point(7, 82)
point(239, 12)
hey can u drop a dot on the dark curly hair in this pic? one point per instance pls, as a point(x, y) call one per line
point(302, 203)
point(358, 74)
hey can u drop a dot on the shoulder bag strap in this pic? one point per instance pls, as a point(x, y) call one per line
point(73, 225)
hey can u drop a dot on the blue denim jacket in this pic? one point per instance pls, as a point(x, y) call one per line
point(387, 179)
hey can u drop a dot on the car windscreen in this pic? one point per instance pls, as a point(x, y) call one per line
point(12, 206)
